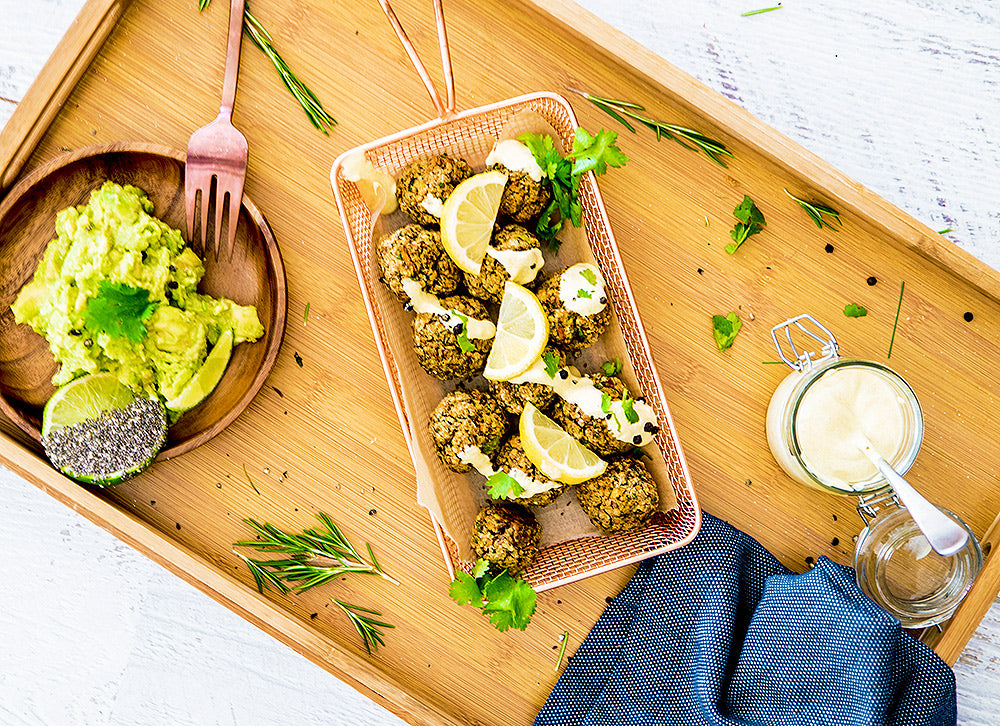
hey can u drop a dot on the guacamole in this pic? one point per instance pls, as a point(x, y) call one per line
point(115, 239)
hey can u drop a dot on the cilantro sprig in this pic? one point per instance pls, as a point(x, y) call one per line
point(508, 601)
point(853, 310)
point(464, 343)
point(725, 328)
point(612, 367)
point(119, 310)
point(503, 486)
point(750, 221)
point(551, 363)
point(590, 153)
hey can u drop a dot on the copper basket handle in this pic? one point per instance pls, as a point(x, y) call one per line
point(444, 109)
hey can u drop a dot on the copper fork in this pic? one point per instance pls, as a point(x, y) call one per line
point(217, 153)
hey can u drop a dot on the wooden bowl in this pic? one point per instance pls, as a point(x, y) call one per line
point(255, 276)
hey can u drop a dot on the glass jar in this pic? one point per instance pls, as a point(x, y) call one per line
point(895, 566)
point(825, 462)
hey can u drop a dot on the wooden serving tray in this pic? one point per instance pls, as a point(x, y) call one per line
point(323, 436)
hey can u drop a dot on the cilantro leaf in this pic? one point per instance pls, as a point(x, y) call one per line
point(119, 310)
point(750, 221)
point(464, 590)
point(584, 293)
point(854, 310)
point(504, 486)
point(551, 363)
point(596, 152)
point(510, 602)
point(628, 406)
point(463, 337)
point(605, 403)
point(725, 328)
point(480, 568)
point(589, 275)
point(612, 367)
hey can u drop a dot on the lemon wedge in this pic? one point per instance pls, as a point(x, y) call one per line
point(557, 454)
point(468, 217)
point(522, 333)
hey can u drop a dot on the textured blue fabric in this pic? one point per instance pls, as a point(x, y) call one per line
point(719, 633)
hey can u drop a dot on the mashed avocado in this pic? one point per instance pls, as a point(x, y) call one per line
point(115, 239)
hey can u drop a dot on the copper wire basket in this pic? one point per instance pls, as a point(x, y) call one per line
point(468, 134)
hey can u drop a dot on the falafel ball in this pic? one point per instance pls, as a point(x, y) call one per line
point(594, 433)
point(506, 535)
point(512, 456)
point(513, 396)
point(570, 330)
point(488, 284)
point(622, 499)
point(524, 199)
point(437, 345)
point(466, 419)
point(416, 253)
point(426, 183)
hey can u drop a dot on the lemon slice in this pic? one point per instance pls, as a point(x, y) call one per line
point(557, 454)
point(468, 217)
point(206, 378)
point(522, 333)
point(97, 430)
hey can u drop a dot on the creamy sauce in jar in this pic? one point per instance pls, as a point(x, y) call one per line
point(569, 385)
point(425, 302)
point(830, 412)
point(841, 409)
point(515, 156)
point(581, 289)
point(481, 462)
point(521, 265)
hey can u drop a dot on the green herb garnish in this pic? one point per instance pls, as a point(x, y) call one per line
point(605, 402)
point(589, 275)
point(944, 231)
point(317, 115)
point(305, 315)
point(119, 310)
point(464, 343)
point(584, 293)
point(313, 557)
point(750, 221)
point(564, 638)
point(247, 475)
point(551, 363)
point(628, 407)
point(854, 310)
point(895, 322)
point(590, 153)
point(368, 628)
point(619, 110)
point(815, 210)
point(725, 328)
point(748, 13)
point(508, 601)
point(612, 367)
point(503, 486)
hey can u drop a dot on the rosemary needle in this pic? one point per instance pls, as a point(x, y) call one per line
point(562, 648)
point(748, 13)
point(899, 305)
point(688, 138)
point(368, 628)
point(815, 210)
point(317, 115)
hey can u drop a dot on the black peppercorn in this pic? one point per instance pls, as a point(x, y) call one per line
point(637, 439)
point(564, 374)
point(871, 281)
point(968, 317)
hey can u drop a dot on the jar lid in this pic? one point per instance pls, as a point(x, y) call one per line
point(897, 568)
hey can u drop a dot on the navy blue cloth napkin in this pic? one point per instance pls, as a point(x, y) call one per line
point(719, 633)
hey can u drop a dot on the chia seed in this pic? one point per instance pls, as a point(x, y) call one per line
point(113, 443)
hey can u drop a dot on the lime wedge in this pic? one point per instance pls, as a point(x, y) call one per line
point(96, 430)
point(206, 378)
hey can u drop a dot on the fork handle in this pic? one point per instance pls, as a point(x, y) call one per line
point(232, 57)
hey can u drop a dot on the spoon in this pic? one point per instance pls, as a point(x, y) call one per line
point(945, 535)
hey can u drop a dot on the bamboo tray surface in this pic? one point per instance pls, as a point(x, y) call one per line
point(323, 436)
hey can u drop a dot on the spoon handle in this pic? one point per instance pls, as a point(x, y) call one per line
point(944, 534)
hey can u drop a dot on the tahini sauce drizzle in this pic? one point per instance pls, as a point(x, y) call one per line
point(425, 302)
point(481, 462)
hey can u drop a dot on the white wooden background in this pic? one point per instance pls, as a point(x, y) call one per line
point(902, 95)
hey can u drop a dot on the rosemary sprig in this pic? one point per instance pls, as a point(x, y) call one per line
point(336, 555)
point(688, 138)
point(318, 116)
point(815, 210)
point(368, 628)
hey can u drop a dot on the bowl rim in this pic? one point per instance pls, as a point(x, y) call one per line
point(274, 326)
